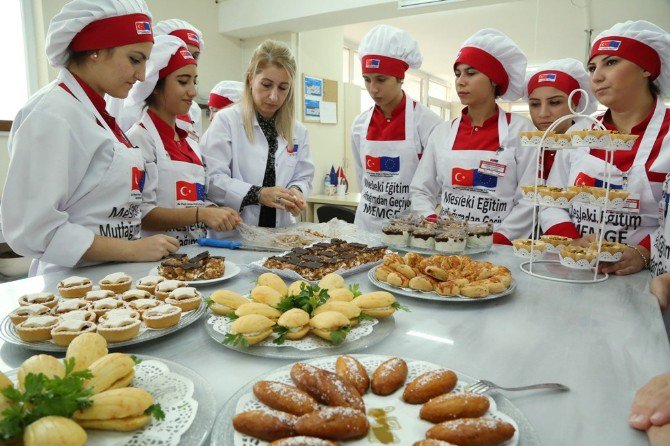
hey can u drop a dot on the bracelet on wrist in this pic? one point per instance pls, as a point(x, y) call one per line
point(645, 259)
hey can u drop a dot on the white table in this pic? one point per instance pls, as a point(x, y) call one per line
point(603, 340)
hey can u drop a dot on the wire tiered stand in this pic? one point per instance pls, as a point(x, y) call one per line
point(565, 269)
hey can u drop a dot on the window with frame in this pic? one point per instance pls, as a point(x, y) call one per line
point(18, 29)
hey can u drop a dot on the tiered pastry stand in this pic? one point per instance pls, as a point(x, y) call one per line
point(554, 269)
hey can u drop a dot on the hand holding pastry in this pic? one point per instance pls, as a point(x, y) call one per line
point(631, 262)
point(219, 219)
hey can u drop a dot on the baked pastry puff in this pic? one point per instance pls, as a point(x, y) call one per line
point(376, 304)
point(116, 409)
point(253, 327)
point(225, 302)
point(54, 431)
point(297, 323)
point(258, 308)
point(110, 370)
point(324, 324)
point(349, 309)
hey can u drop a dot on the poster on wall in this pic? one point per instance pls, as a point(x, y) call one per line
point(312, 110)
point(319, 100)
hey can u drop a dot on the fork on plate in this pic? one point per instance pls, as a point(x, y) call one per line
point(483, 386)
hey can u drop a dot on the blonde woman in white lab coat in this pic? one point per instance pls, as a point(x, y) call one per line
point(257, 156)
point(74, 183)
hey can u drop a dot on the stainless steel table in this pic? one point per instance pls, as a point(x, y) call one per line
point(603, 340)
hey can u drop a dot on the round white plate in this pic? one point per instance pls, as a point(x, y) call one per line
point(175, 396)
point(410, 427)
point(311, 346)
point(8, 333)
point(431, 295)
point(231, 270)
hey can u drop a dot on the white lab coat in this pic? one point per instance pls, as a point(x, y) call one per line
point(69, 179)
point(165, 176)
point(234, 164)
point(502, 205)
point(127, 116)
point(385, 195)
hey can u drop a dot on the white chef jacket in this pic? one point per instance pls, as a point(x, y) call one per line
point(194, 127)
point(58, 157)
point(234, 164)
point(433, 178)
point(421, 123)
point(126, 116)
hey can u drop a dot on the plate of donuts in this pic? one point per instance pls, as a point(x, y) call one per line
point(363, 400)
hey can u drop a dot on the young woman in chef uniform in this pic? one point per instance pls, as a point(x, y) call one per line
point(175, 173)
point(548, 88)
point(629, 68)
point(257, 156)
point(191, 121)
point(474, 165)
point(224, 94)
point(74, 183)
point(388, 140)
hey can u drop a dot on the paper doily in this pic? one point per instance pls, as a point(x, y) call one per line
point(408, 427)
point(603, 142)
point(221, 324)
point(526, 254)
point(576, 264)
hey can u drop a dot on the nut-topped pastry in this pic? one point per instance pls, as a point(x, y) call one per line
point(131, 295)
point(148, 283)
point(22, 313)
point(480, 235)
point(610, 247)
point(423, 238)
point(74, 286)
point(142, 305)
point(164, 288)
point(394, 235)
point(104, 305)
point(46, 299)
point(96, 295)
point(556, 240)
point(117, 282)
point(524, 244)
point(69, 305)
point(577, 253)
point(68, 329)
point(37, 328)
point(186, 298)
point(162, 316)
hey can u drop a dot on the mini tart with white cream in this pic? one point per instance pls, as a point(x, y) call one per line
point(95, 295)
point(143, 305)
point(118, 329)
point(22, 313)
point(164, 288)
point(74, 286)
point(68, 329)
point(187, 298)
point(121, 313)
point(104, 305)
point(65, 306)
point(132, 295)
point(162, 316)
point(117, 282)
point(37, 328)
point(148, 283)
point(46, 299)
point(80, 315)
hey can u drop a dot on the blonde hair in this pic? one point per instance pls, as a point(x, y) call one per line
point(270, 52)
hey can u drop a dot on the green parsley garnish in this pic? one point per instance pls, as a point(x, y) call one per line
point(209, 302)
point(365, 317)
point(235, 339)
point(282, 331)
point(43, 397)
point(398, 306)
point(309, 298)
point(338, 336)
point(354, 288)
point(135, 359)
point(155, 411)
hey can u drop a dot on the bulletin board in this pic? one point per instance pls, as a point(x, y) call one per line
point(319, 100)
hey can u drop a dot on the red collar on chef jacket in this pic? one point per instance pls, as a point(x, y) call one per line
point(472, 137)
point(393, 129)
point(623, 159)
point(178, 150)
point(100, 105)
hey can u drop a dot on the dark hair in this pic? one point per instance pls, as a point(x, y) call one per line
point(653, 89)
point(150, 101)
point(79, 57)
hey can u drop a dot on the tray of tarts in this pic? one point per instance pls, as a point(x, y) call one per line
point(121, 314)
point(451, 278)
point(300, 320)
point(92, 397)
point(368, 399)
